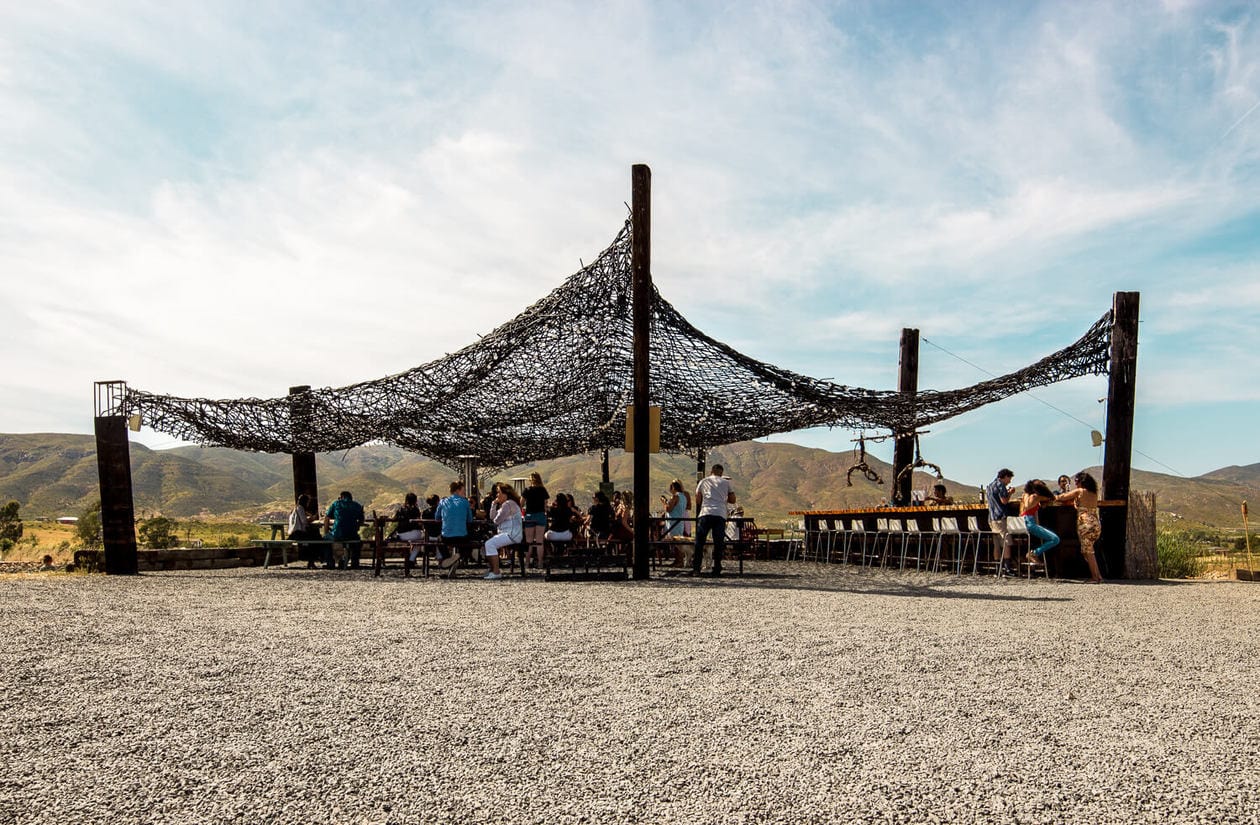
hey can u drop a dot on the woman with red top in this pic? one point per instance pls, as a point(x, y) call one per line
point(1036, 493)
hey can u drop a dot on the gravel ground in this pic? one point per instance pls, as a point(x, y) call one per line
point(795, 694)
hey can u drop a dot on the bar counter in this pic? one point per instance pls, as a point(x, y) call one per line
point(1064, 560)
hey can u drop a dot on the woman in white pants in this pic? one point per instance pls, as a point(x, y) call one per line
point(507, 516)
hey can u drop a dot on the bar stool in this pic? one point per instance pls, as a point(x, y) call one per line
point(795, 533)
point(912, 533)
point(890, 529)
point(945, 527)
point(975, 539)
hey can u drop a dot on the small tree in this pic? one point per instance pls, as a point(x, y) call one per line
point(158, 533)
point(10, 522)
point(88, 529)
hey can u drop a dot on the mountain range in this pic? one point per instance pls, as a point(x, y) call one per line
point(55, 474)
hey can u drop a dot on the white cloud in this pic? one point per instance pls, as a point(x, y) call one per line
point(225, 200)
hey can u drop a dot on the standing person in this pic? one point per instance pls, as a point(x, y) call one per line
point(300, 528)
point(713, 498)
point(1065, 485)
point(455, 513)
point(342, 523)
point(535, 507)
point(1036, 493)
point(677, 505)
point(1088, 528)
point(508, 518)
point(998, 495)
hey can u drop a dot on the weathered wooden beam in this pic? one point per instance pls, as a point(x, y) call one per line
point(1121, 396)
point(903, 446)
point(118, 520)
point(641, 271)
point(305, 480)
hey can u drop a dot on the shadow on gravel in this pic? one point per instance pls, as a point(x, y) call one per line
point(938, 588)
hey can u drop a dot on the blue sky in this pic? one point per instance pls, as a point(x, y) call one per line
point(228, 199)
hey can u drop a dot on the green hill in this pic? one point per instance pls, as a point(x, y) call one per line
point(53, 474)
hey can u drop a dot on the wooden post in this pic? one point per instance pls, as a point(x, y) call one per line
point(641, 267)
point(1118, 454)
point(603, 467)
point(907, 385)
point(304, 477)
point(113, 466)
point(702, 469)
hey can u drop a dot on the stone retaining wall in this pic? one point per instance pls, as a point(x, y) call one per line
point(203, 558)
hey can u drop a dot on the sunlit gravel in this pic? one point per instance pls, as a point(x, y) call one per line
point(794, 694)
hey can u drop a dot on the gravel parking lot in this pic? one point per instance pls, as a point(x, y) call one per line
point(794, 694)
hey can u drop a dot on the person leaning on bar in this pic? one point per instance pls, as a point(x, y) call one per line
point(998, 494)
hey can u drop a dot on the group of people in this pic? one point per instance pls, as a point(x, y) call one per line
point(532, 517)
point(1081, 492)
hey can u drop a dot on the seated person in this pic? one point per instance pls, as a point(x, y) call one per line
point(342, 521)
point(429, 516)
point(455, 513)
point(939, 496)
point(600, 518)
point(408, 520)
point(561, 519)
point(508, 518)
point(46, 563)
point(300, 528)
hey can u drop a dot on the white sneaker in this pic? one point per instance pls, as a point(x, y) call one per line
point(492, 576)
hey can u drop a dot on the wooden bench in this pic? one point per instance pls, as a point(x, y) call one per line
point(284, 545)
point(579, 561)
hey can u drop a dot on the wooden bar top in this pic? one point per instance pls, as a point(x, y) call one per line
point(922, 509)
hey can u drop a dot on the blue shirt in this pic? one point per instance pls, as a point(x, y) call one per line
point(347, 516)
point(995, 492)
point(455, 513)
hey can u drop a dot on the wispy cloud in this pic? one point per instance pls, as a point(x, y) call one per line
point(226, 199)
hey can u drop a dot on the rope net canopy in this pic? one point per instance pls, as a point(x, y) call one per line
point(556, 380)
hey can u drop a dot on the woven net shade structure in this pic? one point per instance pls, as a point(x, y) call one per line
point(556, 380)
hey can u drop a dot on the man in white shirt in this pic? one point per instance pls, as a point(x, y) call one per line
point(713, 497)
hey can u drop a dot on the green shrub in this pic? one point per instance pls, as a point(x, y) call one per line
point(158, 533)
point(88, 530)
point(1178, 556)
point(10, 521)
point(231, 540)
point(1240, 543)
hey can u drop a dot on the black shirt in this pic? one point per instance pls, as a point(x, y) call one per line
point(535, 499)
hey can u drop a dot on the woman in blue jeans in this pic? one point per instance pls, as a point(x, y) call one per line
point(1036, 493)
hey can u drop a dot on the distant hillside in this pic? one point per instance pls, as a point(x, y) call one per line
point(52, 474)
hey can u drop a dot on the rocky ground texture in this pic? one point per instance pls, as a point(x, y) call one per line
point(794, 694)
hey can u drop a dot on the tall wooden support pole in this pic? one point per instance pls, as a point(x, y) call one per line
point(304, 478)
point(702, 468)
point(605, 476)
point(907, 385)
point(113, 466)
point(1118, 455)
point(641, 268)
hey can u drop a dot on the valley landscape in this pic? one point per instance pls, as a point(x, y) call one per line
point(53, 475)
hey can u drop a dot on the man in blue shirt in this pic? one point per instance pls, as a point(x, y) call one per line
point(342, 523)
point(998, 493)
point(455, 514)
